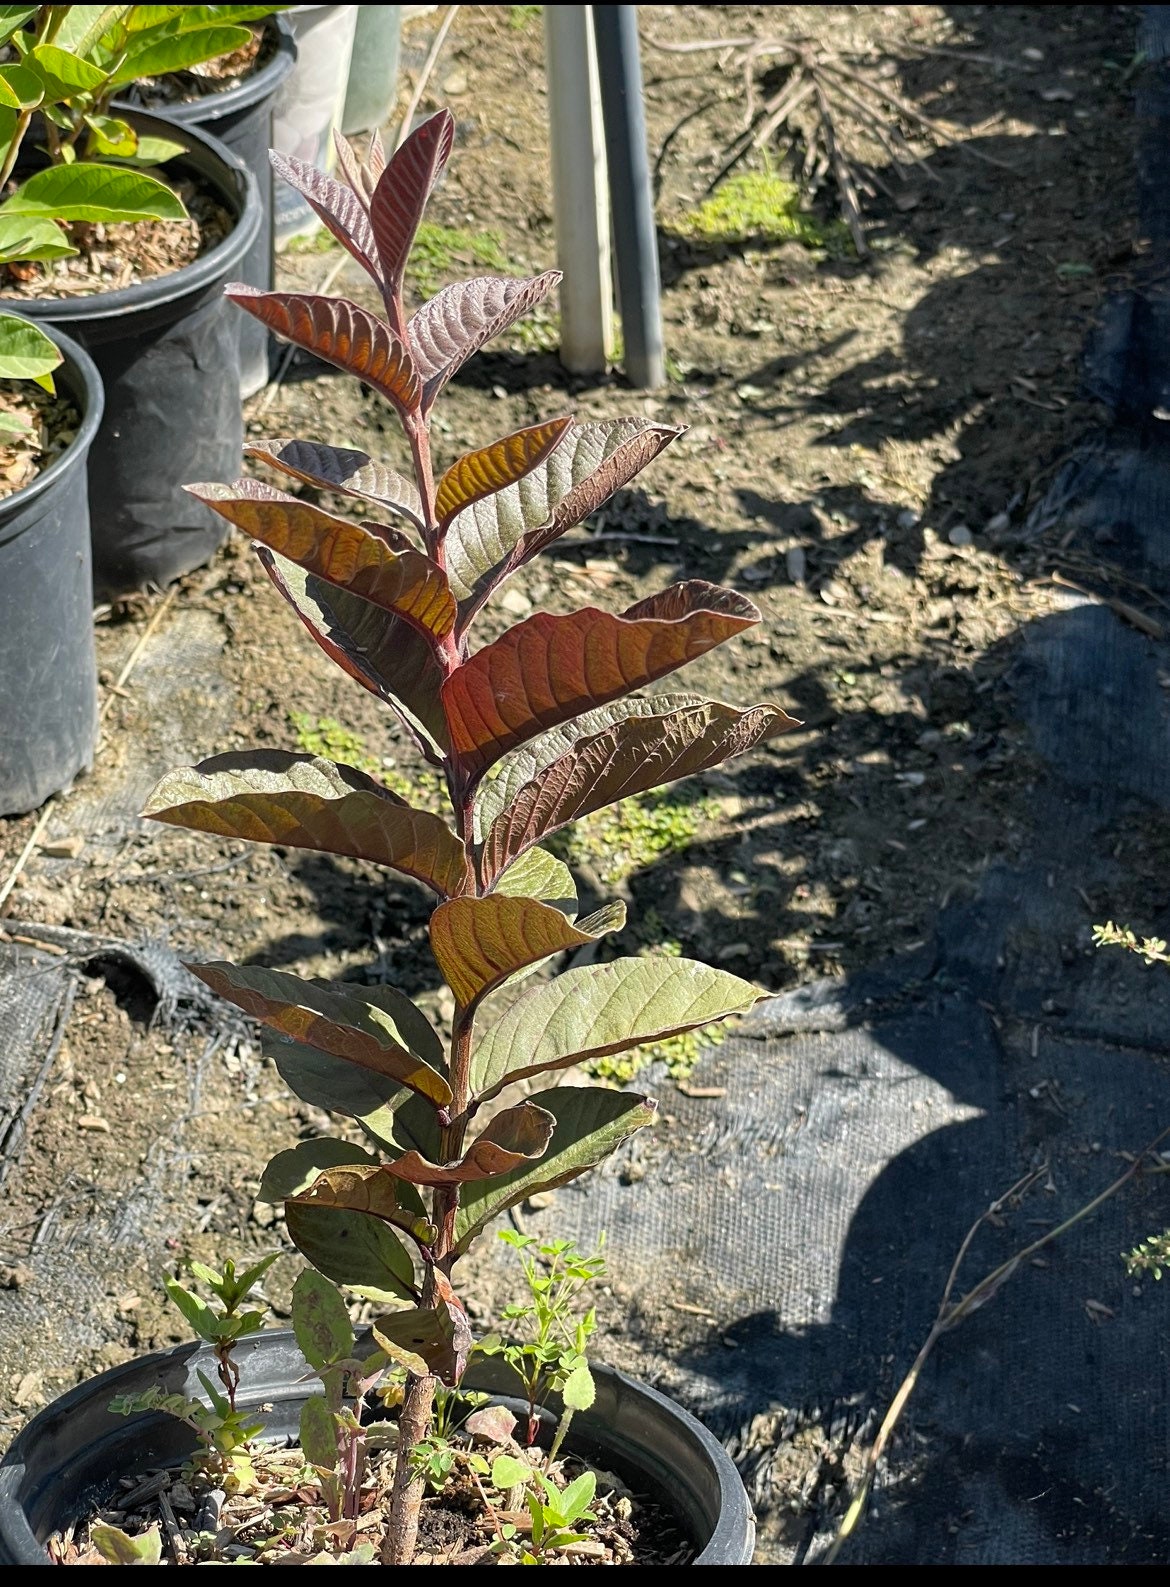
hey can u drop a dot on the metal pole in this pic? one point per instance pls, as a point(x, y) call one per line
point(635, 236)
point(580, 189)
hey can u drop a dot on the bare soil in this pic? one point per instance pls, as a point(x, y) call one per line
point(865, 443)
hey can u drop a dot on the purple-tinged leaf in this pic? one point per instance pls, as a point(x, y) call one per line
point(342, 212)
point(384, 653)
point(304, 802)
point(402, 192)
point(367, 1190)
point(405, 582)
point(492, 468)
point(548, 669)
point(430, 1340)
point(489, 540)
point(342, 469)
point(647, 743)
point(359, 176)
point(457, 321)
point(479, 942)
point(514, 1136)
point(342, 334)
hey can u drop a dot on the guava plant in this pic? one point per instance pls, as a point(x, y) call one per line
point(531, 731)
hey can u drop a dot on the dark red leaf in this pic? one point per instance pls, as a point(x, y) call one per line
point(402, 192)
point(457, 321)
point(342, 211)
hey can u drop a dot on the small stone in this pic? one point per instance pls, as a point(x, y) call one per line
point(29, 1388)
point(796, 564)
point(263, 1215)
point(997, 525)
point(91, 1121)
point(907, 519)
point(541, 1200)
point(515, 603)
point(16, 1277)
point(62, 848)
point(445, 1003)
point(455, 83)
point(960, 535)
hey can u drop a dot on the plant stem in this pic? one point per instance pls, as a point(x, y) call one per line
point(22, 122)
point(406, 1494)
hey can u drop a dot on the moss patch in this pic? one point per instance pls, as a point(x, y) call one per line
point(627, 837)
point(760, 206)
point(440, 251)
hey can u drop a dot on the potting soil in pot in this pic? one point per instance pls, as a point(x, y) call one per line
point(42, 426)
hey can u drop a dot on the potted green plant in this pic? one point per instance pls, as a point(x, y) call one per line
point(232, 98)
point(50, 409)
point(96, 238)
point(529, 732)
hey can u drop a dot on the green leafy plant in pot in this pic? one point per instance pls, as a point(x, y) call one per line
point(541, 726)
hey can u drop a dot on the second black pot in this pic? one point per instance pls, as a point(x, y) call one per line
point(67, 1461)
point(241, 118)
point(169, 356)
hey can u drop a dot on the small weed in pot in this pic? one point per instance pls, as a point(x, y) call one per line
point(529, 732)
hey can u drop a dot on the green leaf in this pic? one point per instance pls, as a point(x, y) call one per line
point(318, 1433)
point(25, 237)
point(25, 350)
point(591, 1122)
point(508, 1472)
point(157, 151)
point(65, 76)
point(354, 1249)
point(598, 1009)
point(372, 1191)
point(375, 1027)
point(479, 942)
point(13, 18)
point(539, 874)
point(392, 1116)
point(110, 136)
point(118, 1548)
point(20, 89)
point(238, 1284)
point(220, 1405)
point(574, 1500)
point(178, 52)
point(83, 26)
point(96, 193)
point(292, 1171)
point(305, 802)
point(320, 1321)
point(578, 1394)
point(205, 1322)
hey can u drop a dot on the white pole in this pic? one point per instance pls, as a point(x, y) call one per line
point(580, 188)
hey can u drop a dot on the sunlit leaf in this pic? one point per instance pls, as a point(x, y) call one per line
point(342, 469)
point(375, 1027)
point(337, 550)
point(25, 350)
point(492, 468)
point(324, 1333)
point(304, 802)
point(386, 654)
point(354, 1249)
point(342, 334)
point(343, 213)
point(28, 237)
point(479, 942)
point(549, 669)
point(456, 322)
point(117, 1547)
point(318, 1433)
point(13, 18)
point(82, 26)
point(514, 1136)
point(489, 540)
point(598, 1009)
point(401, 195)
point(63, 74)
point(649, 743)
point(293, 1171)
point(591, 1122)
point(110, 135)
point(88, 191)
point(20, 88)
point(371, 1191)
point(539, 874)
point(179, 52)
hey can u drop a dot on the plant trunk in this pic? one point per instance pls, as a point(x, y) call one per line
point(407, 1491)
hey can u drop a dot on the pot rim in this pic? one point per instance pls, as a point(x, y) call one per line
point(90, 396)
point(236, 185)
point(243, 95)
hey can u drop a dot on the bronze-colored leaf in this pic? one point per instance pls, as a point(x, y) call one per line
point(385, 653)
point(479, 942)
point(435, 1339)
point(369, 1190)
point(342, 469)
point(343, 213)
point(636, 753)
point(549, 669)
point(457, 321)
point(339, 551)
point(374, 1027)
point(304, 802)
point(514, 1136)
point(489, 540)
point(491, 468)
point(402, 191)
point(342, 334)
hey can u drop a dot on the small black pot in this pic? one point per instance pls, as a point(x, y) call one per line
point(241, 118)
point(48, 701)
point(67, 1461)
point(169, 357)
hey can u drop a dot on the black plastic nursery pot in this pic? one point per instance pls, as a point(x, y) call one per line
point(48, 670)
point(168, 353)
point(66, 1463)
point(241, 118)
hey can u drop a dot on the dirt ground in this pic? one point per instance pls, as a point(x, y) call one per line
point(866, 443)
